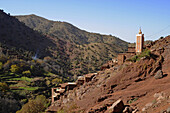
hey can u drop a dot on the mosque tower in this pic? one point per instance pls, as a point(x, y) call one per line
point(139, 41)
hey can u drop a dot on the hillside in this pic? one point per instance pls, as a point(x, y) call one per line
point(142, 85)
point(66, 31)
point(86, 51)
point(32, 62)
point(28, 66)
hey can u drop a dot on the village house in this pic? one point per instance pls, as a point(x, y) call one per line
point(62, 88)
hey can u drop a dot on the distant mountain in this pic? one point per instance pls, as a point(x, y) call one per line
point(66, 31)
point(86, 51)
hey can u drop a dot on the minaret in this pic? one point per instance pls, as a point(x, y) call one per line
point(139, 41)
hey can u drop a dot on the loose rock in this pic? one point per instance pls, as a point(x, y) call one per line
point(117, 107)
point(159, 74)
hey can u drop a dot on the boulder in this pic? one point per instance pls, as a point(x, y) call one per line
point(116, 107)
point(159, 74)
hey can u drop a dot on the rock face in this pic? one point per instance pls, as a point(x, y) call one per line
point(117, 107)
point(159, 74)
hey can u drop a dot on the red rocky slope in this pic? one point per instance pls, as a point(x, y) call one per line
point(137, 84)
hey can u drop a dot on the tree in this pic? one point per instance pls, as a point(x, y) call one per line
point(39, 104)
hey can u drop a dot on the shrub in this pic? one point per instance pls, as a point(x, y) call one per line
point(39, 104)
point(26, 73)
point(3, 87)
point(15, 68)
point(134, 58)
point(133, 100)
point(145, 53)
point(57, 81)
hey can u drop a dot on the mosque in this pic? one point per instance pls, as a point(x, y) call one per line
point(122, 57)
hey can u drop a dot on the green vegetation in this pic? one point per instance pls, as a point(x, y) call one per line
point(29, 88)
point(39, 104)
point(26, 73)
point(87, 51)
point(146, 53)
point(57, 81)
point(133, 100)
point(15, 68)
point(21, 79)
point(31, 63)
point(3, 87)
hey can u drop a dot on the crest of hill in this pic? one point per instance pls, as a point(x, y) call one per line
point(66, 31)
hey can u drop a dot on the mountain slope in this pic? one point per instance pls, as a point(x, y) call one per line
point(16, 34)
point(67, 31)
point(28, 64)
point(136, 83)
point(83, 48)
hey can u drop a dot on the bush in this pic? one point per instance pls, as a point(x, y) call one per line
point(145, 53)
point(57, 81)
point(39, 104)
point(15, 68)
point(26, 73)
point(3, 87)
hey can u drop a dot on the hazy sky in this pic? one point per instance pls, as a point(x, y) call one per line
point(120, 18)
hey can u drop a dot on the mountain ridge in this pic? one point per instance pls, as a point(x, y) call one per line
point(30, 20)
point(85, 45)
